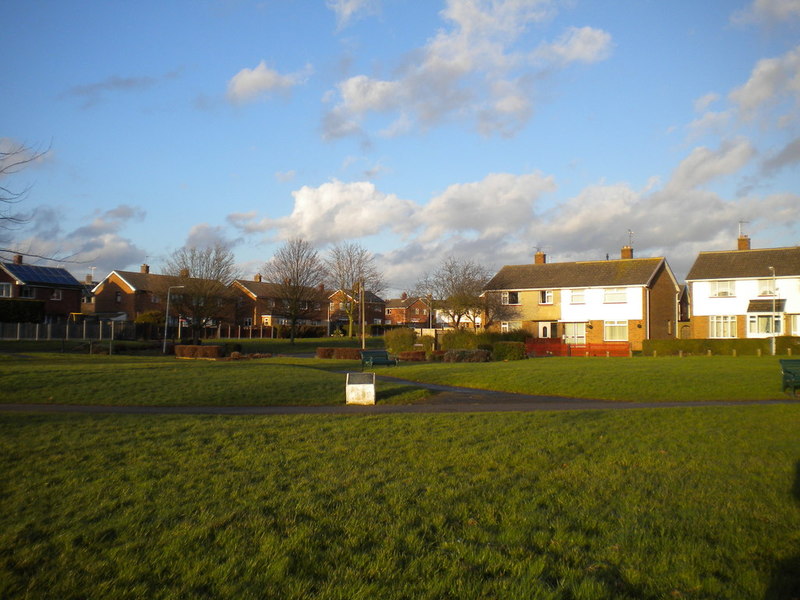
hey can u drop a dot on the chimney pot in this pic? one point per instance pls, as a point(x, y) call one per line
point(145, 268)
point(184, 273)
point(257, 278)
point(540, 258)
point(744, 242)
point(627, 252)
point(18, 259)
point(88, 280)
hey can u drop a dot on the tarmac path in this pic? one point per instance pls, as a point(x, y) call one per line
point(448, 399)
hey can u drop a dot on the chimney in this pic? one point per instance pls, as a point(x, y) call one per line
point(744, 242)
point(144, 268)
point(404, 296)
point(184, 273)
point(539, 258)
point(88, 279)
point(257, 278)
point(18, 259)
point(627, 252)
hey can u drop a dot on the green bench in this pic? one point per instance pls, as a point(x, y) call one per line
point(370, 358)
point(790, 367)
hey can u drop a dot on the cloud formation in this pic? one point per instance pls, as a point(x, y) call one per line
point(480, 68)
point(93, 93)
point(252, 84)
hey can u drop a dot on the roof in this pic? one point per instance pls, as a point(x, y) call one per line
point(263, 289)
point(766, 305)
point(736, 264)
point(35, 275)
point(372, 298)
point(403, 302)
point(139, 281)
point(598, 273)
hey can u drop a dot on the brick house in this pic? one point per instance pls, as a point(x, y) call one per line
point(340, 300)
point(261, 303)
point(406, 310)
point(623, 300)
point(54, 291)
point(745, 293)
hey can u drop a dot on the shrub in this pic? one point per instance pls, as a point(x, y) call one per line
point(347, 353)
point(400, 340)
point(192, 351)
point(466, 355)
point(325, 352)
point(723, 347)
point(508, 351)
point(436, 356)
point(428, 342)
point(458, 339)
point(412, 355)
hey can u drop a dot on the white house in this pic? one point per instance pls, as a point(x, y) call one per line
point(745, 293)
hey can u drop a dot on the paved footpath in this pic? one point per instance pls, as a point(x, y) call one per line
point(448, 399)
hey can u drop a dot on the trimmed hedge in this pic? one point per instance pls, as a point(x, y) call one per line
point(509, 351)
point(466, 355)
point(723, 347)
point(325, 352)
point(456, 339)
point(412, 356)
point(185, 351)
point(347, 353)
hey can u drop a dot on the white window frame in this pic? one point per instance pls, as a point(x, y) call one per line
point(723, 288)
point(506, 326)
point(5, 289)
point(56, 295)
point(615, 331)
point(575, 333)
point(577, 297)
point(545, 296)
point(616, 295)
point(759, 324)
point(722, 327)
point(766, 287)
point(794, 322)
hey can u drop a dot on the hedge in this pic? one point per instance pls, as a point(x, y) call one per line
point(400, 340)
point(347, 353)
point(185, 351)
point(325, 352)
point(509, 351)
point(412, 356)
point(721, 346)
point(466, 355)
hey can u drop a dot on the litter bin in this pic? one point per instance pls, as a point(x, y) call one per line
point(360, 388)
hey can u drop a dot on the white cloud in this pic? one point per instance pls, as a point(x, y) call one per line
point(771, 81)
point(702, 103)
point(768, 11)
point(476, 69)
point(204, 235)
point(704, 165)
point(285, 176)
point(348, 10)
point(251, 84)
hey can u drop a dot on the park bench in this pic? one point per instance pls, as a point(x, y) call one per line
point(370, 358)
point(790, 367)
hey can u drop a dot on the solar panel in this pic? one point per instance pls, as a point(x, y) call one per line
point(31, 274)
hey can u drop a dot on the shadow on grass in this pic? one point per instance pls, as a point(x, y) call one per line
point(785, 584)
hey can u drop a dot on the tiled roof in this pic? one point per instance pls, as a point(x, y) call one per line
point(766, 305)
point(146, 282)
point(35, 275)
point(402, 302)
point(263, 289)
point(599, 273)
point(746, 263)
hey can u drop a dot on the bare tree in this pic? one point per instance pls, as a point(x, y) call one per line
point(349, 267)
point(492, 309)
point(206, 275)
point(455, 288)
point(297, 272)
point(14, 157)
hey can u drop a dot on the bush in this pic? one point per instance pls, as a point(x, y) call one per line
point(412, 356)
point(400, 340)
point(723, 347)
point(509, 351)
point(466, 355)
point(325, 352)
point(458, 339)
point(15, 310)
point(436, 356)
point(347, 353)
point(185, 351)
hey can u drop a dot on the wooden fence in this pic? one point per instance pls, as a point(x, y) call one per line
point(557, 347)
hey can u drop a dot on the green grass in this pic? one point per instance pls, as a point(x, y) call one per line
point(167, 381)
point(623, 379)
point(648, 504)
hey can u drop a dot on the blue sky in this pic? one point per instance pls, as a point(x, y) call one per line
point(422, 130)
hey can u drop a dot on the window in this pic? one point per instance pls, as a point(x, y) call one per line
point(615, 331)
point(766, 287)
point(578, 296)
point(763, 324)
point(507, 326)
point(118, 297)
point(388, 311)
point(722, 326)
point(546, 297)
point(27, 292)
point(248, 321)
point(611, 295)
point(722, 289)
point(55, 295)
point(509, 298)
point(575, 333)
point(795, 323)
point(5, 290)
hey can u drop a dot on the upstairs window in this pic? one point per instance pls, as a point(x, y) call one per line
point(615, 295)
point(722, 289)
point(546, 297)
point(766, 287)
point(5, 290)
point(55, 295)
point(510, 298)
point(118, 297)
point(578, 296)
point(27, 292)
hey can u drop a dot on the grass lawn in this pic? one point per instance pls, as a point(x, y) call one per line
point(694, 502)
point(624, 379)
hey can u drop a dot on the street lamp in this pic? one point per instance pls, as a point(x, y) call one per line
point(774, 294)
point(166, 318)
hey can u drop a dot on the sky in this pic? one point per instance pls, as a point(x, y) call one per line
point(421, 130)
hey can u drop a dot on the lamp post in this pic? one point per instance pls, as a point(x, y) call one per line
point(166, 318)
point(774, 294)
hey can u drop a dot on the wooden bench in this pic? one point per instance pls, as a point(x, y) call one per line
point(790, 367)
point(370, 358)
